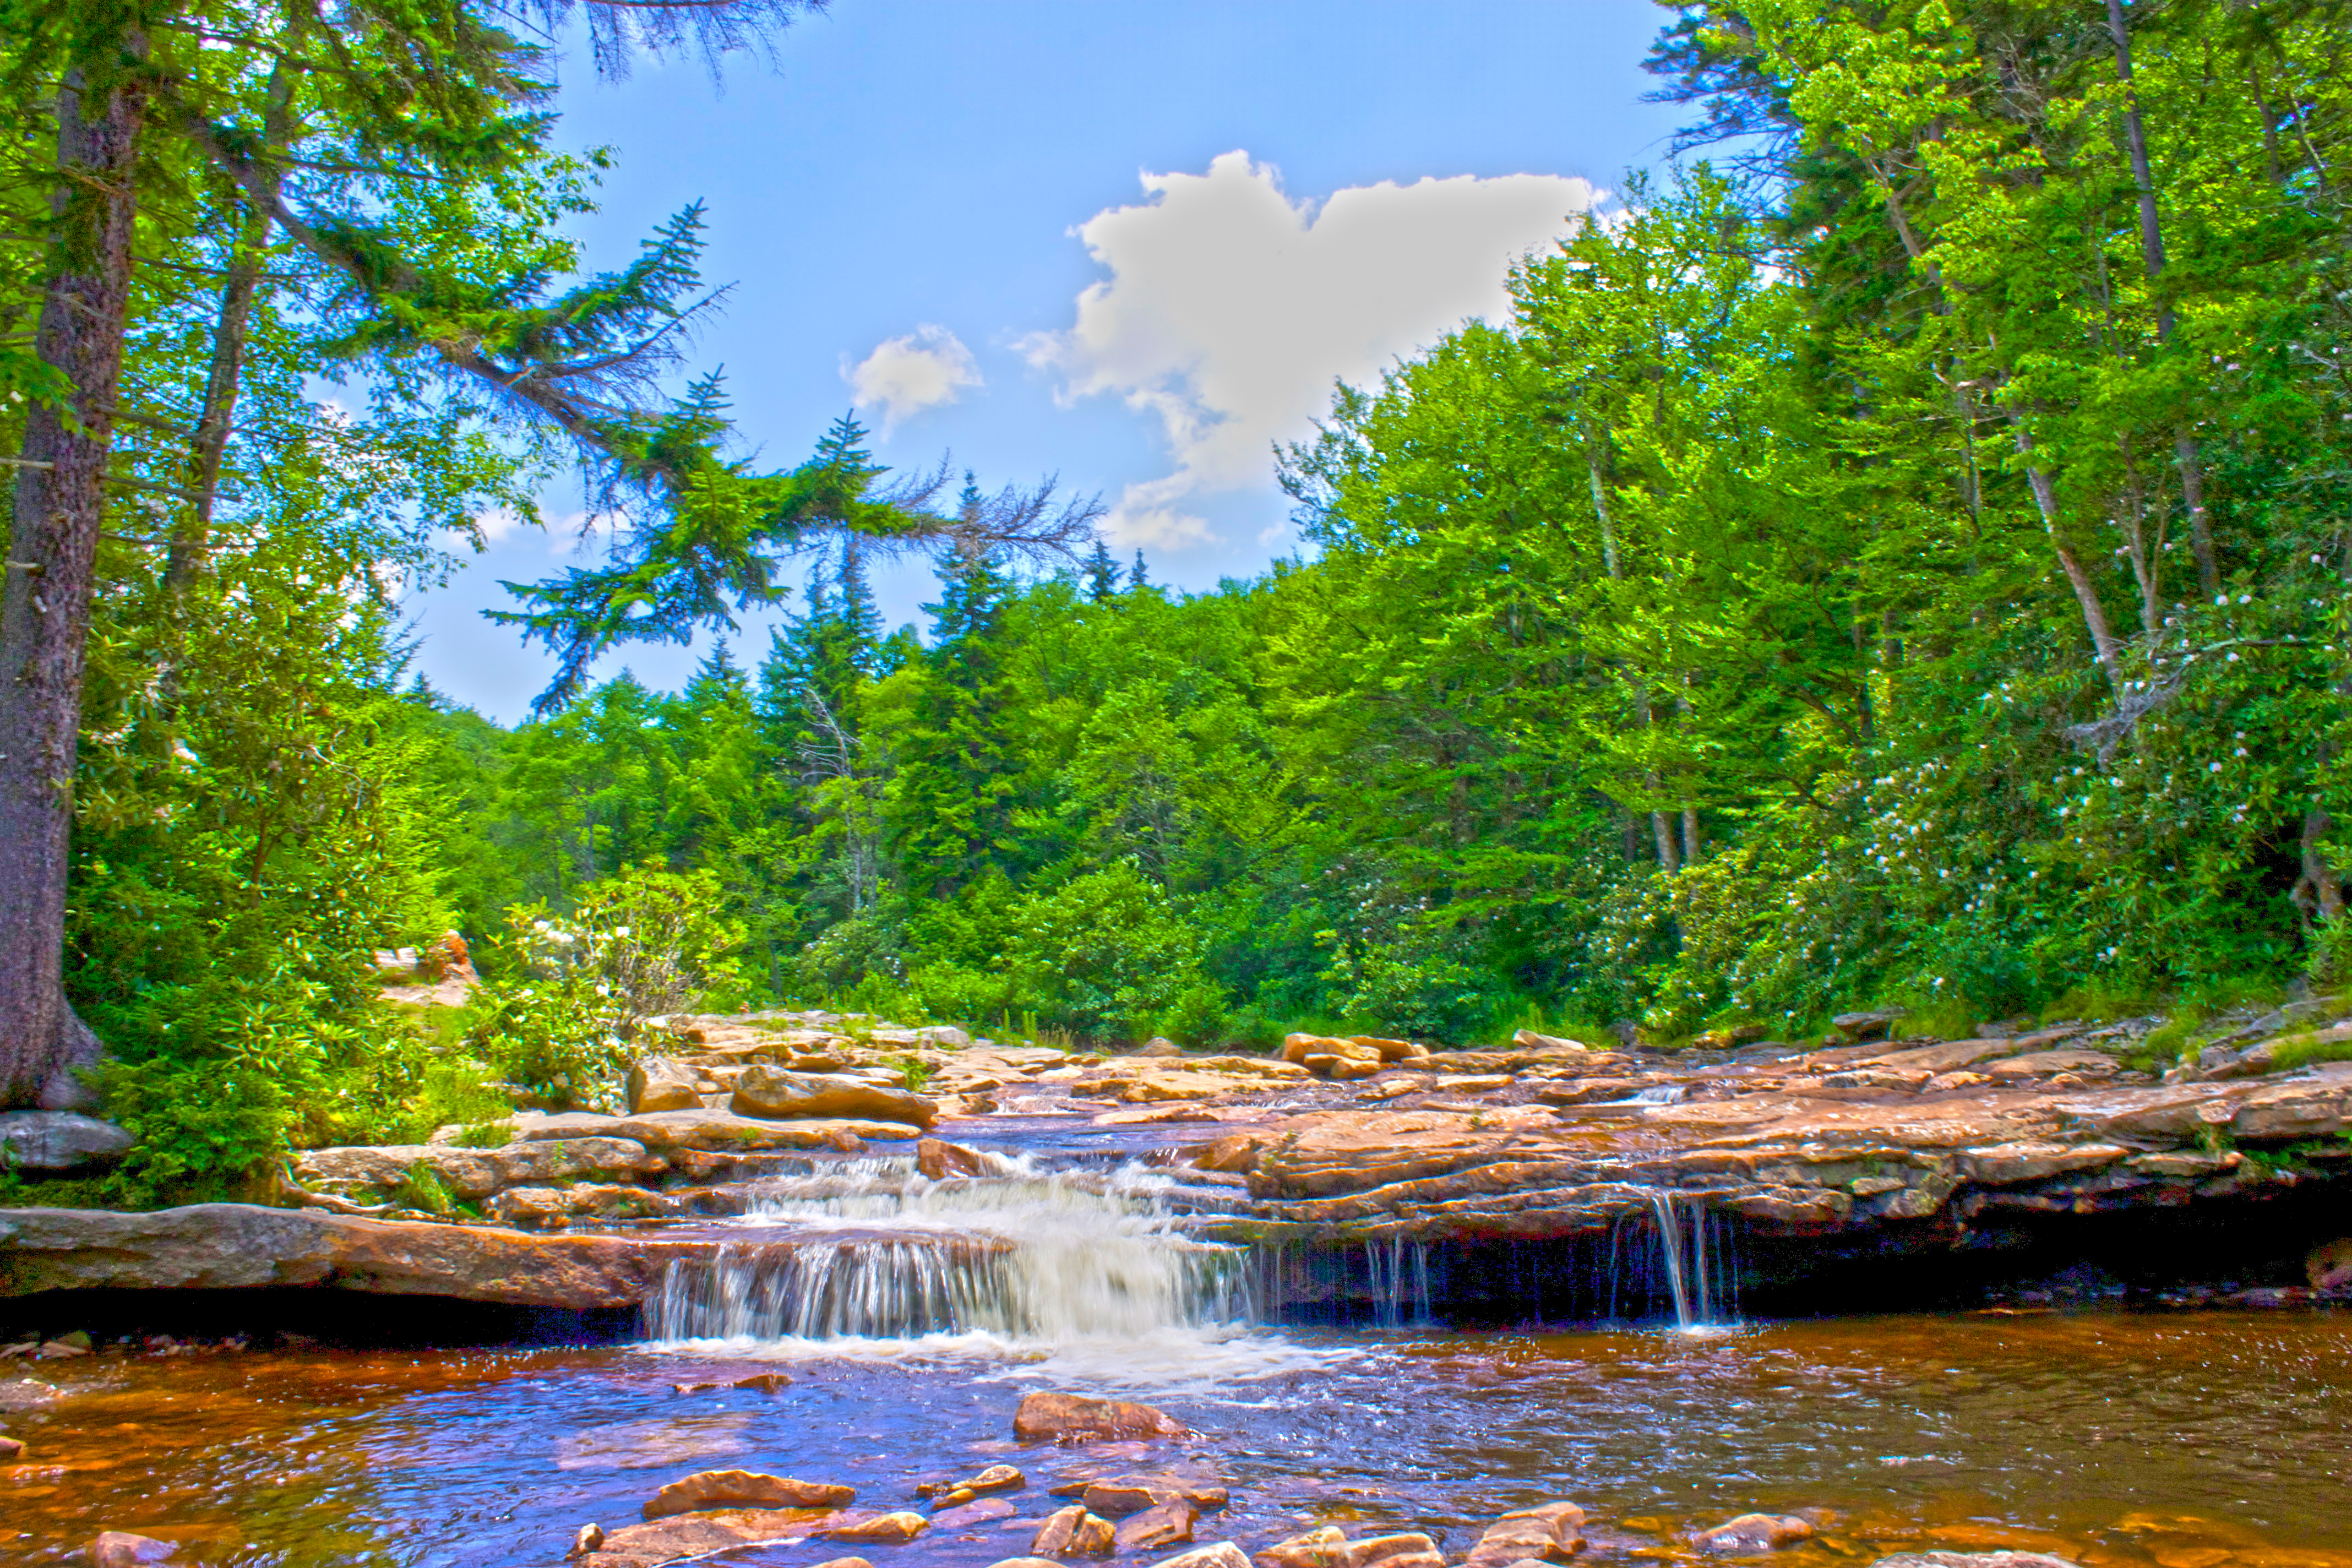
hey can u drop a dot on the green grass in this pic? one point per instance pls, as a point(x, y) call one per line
point(422, 1188)
point(2302, 1050)
point(485, 1135)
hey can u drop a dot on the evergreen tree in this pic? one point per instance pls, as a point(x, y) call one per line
point(1101, 575)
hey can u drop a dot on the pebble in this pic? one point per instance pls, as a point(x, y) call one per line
point(1756, 1532)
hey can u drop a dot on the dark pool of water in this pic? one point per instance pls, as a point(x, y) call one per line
point(2206, 1440)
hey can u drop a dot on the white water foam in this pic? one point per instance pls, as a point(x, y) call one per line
point(1075, 1273)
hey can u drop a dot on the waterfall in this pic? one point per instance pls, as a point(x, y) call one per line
point(1022, 1257)
point(1698, 1283)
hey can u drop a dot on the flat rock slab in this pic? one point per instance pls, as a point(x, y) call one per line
point(242, 1246)
point(708, 1129)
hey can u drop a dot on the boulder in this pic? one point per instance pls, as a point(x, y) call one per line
point(1343, 1059)
point(1118, 1497)
point(769, 1093)
point(12, 1449)
point(1412, 1550)
point(1073, 1418)
point(1391, 1050)
point(586, 1539)
point(1159, 1046)
point(54, 1141)
point(706, 1489)
point(845, 1563)
point(665, 1083)
point(1547, 1534)
point(2328, 1265)
point(1163, 1525)
point(995, 1478)
point(1325, 1546)
point(1755, 1532)
point(1529, 1040)
point(1074, 1532)
point(121, 1549)
point(1223, 1554)
point(882, 1528)
point(536, 1208)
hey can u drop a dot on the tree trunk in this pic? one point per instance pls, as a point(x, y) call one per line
point(230, 328)
point(50, 570)
point(2087, 591)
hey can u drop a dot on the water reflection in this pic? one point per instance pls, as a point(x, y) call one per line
point(2209, 1440)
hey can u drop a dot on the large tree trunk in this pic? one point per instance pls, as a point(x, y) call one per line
point(52, 560)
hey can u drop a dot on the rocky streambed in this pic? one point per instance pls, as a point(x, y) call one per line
point(1385, 1298)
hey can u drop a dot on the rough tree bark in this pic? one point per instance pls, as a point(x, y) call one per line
point(52, 561)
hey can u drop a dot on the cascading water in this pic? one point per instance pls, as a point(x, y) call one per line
point(1699, 1278)
point(871, 1256)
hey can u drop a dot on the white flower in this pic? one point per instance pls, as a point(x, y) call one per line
point(2215, 768)
point(620, 931)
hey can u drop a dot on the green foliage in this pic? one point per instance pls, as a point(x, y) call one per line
point(485, 1135)
point(583, 988)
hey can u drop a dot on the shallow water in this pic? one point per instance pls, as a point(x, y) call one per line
point(2203, 1440)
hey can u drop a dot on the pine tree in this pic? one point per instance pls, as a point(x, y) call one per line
point(1101, 575)
point(1137, 577)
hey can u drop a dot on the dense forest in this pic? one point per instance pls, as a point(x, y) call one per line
point(1899, 556)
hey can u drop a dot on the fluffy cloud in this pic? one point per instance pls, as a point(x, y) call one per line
point(1231, 308)
point(905, 376)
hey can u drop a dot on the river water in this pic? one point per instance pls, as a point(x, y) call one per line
point(911, 1316)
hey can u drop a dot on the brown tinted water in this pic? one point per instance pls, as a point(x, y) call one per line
point(2195, 1440)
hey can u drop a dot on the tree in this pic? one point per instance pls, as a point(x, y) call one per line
point(1101, 575)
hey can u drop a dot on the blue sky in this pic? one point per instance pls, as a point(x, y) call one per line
point(1130, 243)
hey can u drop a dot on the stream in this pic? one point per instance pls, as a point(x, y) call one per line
point(911, 1315)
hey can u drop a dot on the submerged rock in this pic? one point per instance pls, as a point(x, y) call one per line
point(55, 1142)
point(1073, 1418)
point(744, 1488)
point(887, 1528)
point(1755, 1532)
point(121, 1549)
point(1325, 1546)
point(1223, 1554)
point(698, 1534)
point(12, 1449)
point(1973, 1560)
point(1162, 1524)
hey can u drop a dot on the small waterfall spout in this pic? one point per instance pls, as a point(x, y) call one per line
point(1699, 1276)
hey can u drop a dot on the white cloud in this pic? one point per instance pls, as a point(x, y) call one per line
point(905, 376)
point(1229, 308)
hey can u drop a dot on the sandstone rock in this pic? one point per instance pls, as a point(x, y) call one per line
point(664, 1083)
point(1755, 1532)
point(1164, 1524)
point(1074, 1532)
point(882, 1528)
point(121, 1549)
point(1734, 1035)
point(240, 1246)
point(473, 1173)
point(533, 1208)
point(708, 1129)
point(689, 1535)
point(1071, 1419)
point(1391, 1050)
point(1535, 1042)
point(1863, 1026)
point(588, 1537)
point(1223, 1554)
point(2328, 1265)
point(12, 1449)
point(1325, 1546)
point(1973, 1560)
point(964, 1515)
point(1402, 1551)
point(1547, 1534)
point(743, 1489)
point(937, 1159)
point(52, 1141)
point(2005, 1164)
point(1159, 1046)
point(945, 1036)
point(772, 1094)
point(1024, 1563)
point(845, 1563)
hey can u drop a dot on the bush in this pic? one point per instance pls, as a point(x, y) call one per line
point(644, 943)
